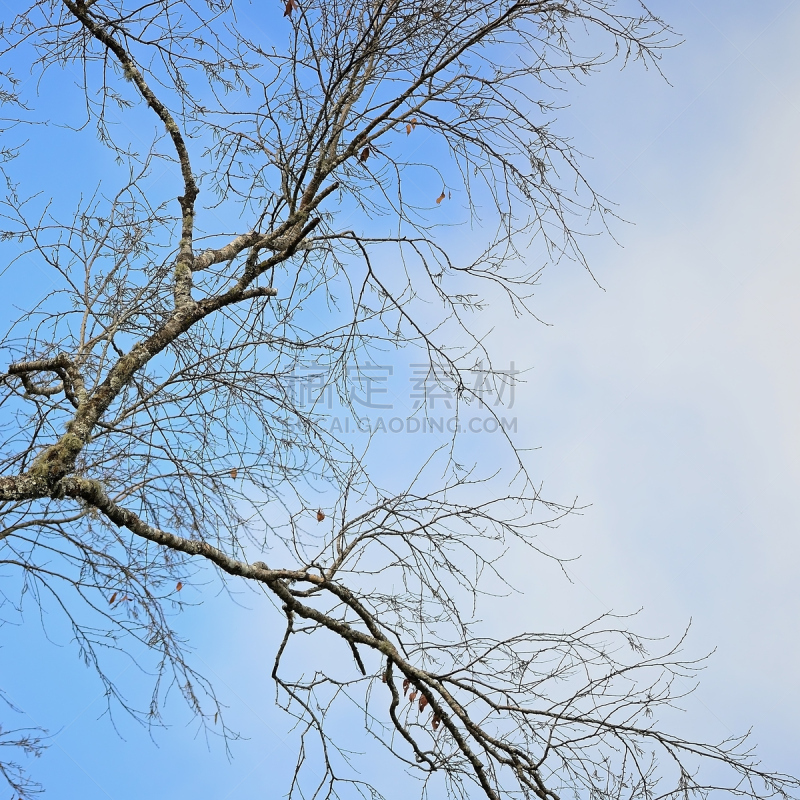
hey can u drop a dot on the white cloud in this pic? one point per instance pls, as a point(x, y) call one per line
point(670, 401)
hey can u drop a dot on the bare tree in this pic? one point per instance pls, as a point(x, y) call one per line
point(151, 420)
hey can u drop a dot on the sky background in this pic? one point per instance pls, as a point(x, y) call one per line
point(667, 400)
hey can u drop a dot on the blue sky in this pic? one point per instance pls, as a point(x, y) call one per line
point(667, 400)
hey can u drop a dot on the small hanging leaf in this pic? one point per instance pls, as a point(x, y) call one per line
point(411, 125)
point(216, 716)
point(413, 696)
point(405, 686)
point(291, 5)
point(423, 701)
point(440, 197)
point(234, 473)
point(178, 586)
point(365, 154)
point(436, 721)
point(112, 599)
point(320, 515)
